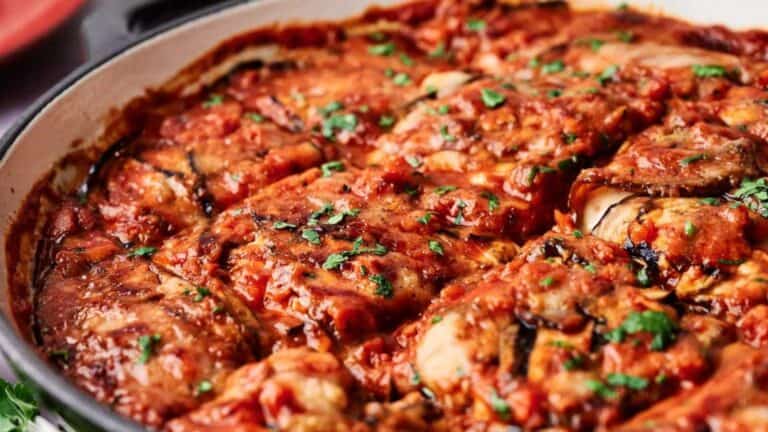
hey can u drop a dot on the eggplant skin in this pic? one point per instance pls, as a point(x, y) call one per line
point(447, 215)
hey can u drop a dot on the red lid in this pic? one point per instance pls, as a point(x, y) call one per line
point(24, 21)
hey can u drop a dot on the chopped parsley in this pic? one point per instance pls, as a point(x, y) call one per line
point(378, 36)
point(573, 363)
point(401, 79)
point(213, 100)
point(202, 292)
point(607, 75)
point(708, 71)
point(439, 51)
point(643, 279)
point(460, 206)
point(492, 99)
point(692, 159)
point(436, 247)
point(405, 59)
point(204, 386)
point(561, 344)
point(446, 135)
point(590, 268)
point(143, 251)
point(569, 137)
point(476, 25)
point(554, 93)
point(335, 260)
point(553, 67)
point(443, 109)
point(383, 285)
point(415, 377)
point(382, 49)
point(500, 406)
point(386, 121)
point(442, 190)
point(724, 261)
point(628, 381)
point(329, 168)
point(754, 194)
point(347, 122)
point(339, 217)
point(436, 319)
point(255, 117)
point(281, 225)
point(625, 36)
point(413, 161)
point(315, 216)
point(535, 170)
point(600, 389)
point(547, 281)
point(331, 107)
point(424, 220)
point(578, 234)
point(147, 345)
point(595, 44)
point(493, 200)
point(711, 201)
point(690, 229)
point(657, 323)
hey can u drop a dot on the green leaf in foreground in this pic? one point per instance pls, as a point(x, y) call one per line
point(18, 407)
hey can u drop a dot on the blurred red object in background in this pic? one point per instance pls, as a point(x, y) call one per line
point(24, 21)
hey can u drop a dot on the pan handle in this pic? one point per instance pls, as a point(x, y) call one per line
point(111, 24)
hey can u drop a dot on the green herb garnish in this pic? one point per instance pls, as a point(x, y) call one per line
point(18, 407)
point(311, 236)
point(442, 190)
point(383, 285)
point(383, 49)
point(500, 406)
point(493, 200)
point(690, 229)
point(607, 75)
point(492, 99)
point(401, 79)
point(436, 247)
point(709, 71)
point(628, 381)
point(657, 323)
point(691, 159)
point(213, 100)
point(476, 25)
point(446, 135)
point(143, 251)
point(347, 122)
point(147, 345)
point(204, 386)
point(754, 194)
point(281, 225)
point(600, 389)
point(329, 168)
point(553, 67)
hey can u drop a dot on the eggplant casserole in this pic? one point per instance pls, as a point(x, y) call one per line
point(449, 215)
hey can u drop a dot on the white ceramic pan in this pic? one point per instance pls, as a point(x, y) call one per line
point(77, 110)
